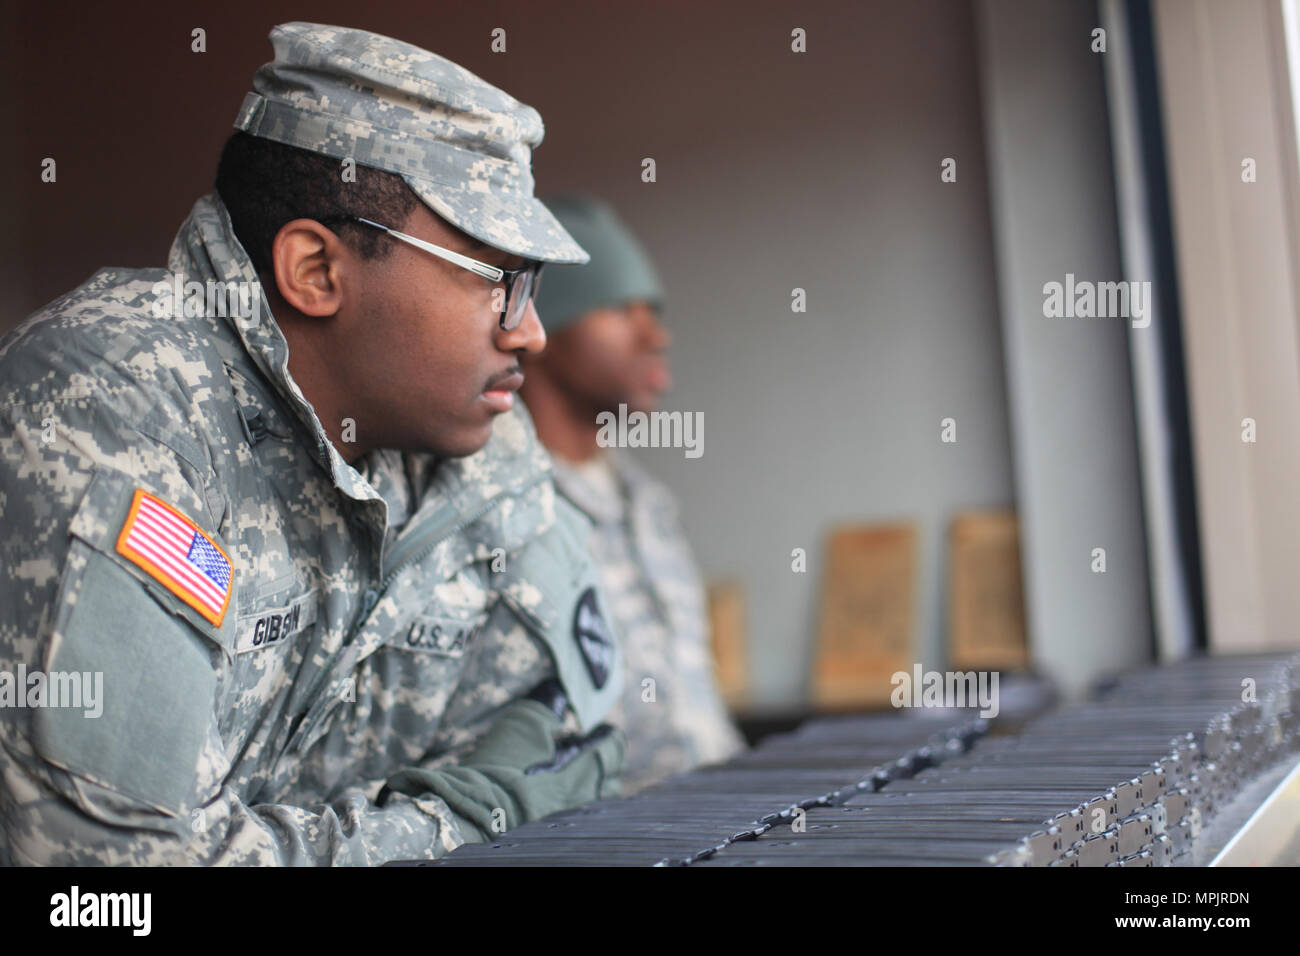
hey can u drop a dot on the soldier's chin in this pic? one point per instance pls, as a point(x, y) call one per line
point(642, 400)
point(463, 443)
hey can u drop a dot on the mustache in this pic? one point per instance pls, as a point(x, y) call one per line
point(500, 377)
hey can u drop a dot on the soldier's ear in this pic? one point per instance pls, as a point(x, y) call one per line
point(308, 262)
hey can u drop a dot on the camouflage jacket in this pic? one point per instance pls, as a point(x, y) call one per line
point(376, 617)
point(670, 708)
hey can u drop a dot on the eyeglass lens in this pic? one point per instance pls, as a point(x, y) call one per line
point(523, 287)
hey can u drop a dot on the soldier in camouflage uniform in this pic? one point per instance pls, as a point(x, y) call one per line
point(314, 648)
point(606, 349)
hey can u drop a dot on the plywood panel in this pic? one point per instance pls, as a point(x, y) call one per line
point(868, 615)
point(986, 594)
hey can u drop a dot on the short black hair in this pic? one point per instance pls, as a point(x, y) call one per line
point(265, 184)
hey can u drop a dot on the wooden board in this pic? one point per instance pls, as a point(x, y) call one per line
point(868, 615)
point(986, 594)
point(727, 624)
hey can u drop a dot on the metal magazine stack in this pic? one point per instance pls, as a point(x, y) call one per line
point(1129, 778)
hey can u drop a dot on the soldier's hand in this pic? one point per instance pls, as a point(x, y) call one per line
point(521, 769)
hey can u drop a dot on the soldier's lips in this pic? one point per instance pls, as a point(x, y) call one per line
point(500, 397)
point(499, 400)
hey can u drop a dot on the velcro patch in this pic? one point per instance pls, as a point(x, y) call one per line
point(445, 636)
point(179, 554)
point(593, 638)
point(273, 627)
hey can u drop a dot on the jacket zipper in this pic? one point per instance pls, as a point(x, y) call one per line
point(441, 534)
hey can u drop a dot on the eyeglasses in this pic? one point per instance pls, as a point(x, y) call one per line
point(520, 284)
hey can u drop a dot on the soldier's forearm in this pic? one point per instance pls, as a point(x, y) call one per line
point(49, 830)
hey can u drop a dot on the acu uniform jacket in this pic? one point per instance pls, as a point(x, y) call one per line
point(277, 631)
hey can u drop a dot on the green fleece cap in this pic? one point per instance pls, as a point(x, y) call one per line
point(619, 271)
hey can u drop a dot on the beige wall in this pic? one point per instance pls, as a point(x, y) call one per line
point(1225, 88)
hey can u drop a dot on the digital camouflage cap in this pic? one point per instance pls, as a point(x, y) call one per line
point(462, 145)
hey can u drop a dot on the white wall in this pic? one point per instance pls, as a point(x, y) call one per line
point(1077, 477)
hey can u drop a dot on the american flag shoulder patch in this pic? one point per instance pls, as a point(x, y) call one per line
point(176, 551)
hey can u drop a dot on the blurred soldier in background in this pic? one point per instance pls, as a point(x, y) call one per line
point(606, 348)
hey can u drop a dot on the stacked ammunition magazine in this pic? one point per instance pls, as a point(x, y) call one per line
point(696, 815)
point(1127, 779)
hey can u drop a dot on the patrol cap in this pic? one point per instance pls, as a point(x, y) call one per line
point(462, 145)
point(619, 271)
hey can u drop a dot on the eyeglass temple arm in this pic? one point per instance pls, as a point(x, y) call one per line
point(481, 268)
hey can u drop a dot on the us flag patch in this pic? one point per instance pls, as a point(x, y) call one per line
point(174, 550)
